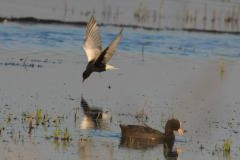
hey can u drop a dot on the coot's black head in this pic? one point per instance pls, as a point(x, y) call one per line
point(173, 125)
point(85, 75)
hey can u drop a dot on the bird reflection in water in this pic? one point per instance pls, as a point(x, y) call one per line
point(94, 117)
point(143, 144)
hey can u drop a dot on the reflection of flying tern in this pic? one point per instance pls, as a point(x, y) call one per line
point(94, 117)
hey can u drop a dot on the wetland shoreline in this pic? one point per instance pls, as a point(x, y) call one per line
point(32, 20)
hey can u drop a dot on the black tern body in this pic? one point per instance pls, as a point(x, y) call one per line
point(97, 58)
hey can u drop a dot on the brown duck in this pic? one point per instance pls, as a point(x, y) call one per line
point(142, 132)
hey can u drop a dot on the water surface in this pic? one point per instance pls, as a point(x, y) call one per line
point(181, 70)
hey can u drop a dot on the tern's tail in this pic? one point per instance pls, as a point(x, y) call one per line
point(110, 67)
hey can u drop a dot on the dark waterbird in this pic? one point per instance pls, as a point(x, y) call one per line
point(97, 58)
point(142, 132)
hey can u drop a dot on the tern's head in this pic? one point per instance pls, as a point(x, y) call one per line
point(85, 75)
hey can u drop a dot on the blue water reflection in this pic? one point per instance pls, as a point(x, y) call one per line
point(55, 37)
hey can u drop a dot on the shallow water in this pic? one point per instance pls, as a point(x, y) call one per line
point(181, 70)
point(37, 37)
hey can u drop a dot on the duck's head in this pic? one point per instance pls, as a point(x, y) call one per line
point(173, 125)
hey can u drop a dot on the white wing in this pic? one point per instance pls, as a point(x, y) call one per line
point(92, 41)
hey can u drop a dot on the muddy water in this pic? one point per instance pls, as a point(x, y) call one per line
point(182, 71)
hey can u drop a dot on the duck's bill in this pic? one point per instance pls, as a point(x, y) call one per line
point(83, 80)
point(180, 131)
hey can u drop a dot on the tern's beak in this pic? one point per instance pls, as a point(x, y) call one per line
point(83, 80)
point(180, 129)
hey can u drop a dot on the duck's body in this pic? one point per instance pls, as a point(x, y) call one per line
point(143, 132)
point(97, 58)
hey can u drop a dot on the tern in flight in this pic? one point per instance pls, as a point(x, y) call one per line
point(97, 58)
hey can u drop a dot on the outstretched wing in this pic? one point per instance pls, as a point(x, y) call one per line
point(108, 52)
point(92, 41)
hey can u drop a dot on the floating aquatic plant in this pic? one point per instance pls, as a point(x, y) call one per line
point(65, 134)
point(227, 145)
point(226, 148)
point(56, 133)
point(46, 119)
point(26, 115)
point(12, 134)
point(10, 116)
point(56, 118)
point(39, 114)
